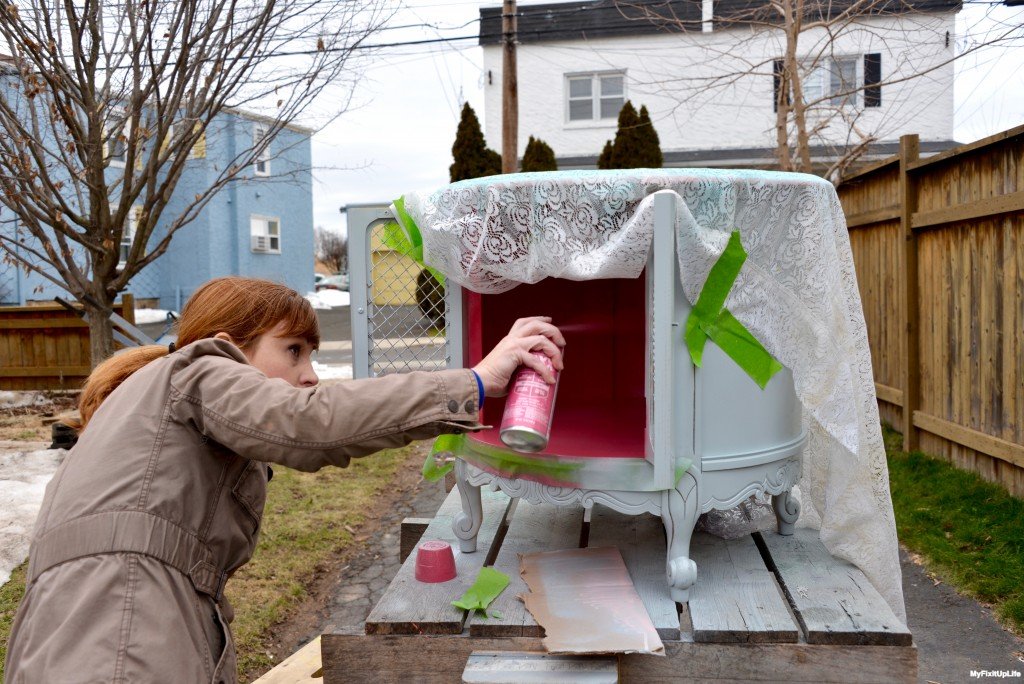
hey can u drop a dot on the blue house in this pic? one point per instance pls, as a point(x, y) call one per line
point(259, 225)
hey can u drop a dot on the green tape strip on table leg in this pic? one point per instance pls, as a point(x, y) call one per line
point(710, 319)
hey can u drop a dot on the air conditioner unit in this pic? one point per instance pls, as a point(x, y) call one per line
point(261, 243)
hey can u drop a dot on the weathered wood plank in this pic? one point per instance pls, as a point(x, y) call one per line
point(41, 323)
point(516, 667)
point(911, 385)
point(43, 371)
point(533, 528)
point(892, 395)
point(872, 168)
point(973, 439)
point(999, 139)
point(832, 599)
point(641, 541)
point(411, 532)
point(867, 218)
point(300, 666)
point(970, 211)
point(736, 598)
point(409, 606)
point(428, 659)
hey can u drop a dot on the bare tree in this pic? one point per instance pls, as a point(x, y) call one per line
point(803, 46)
point(103, 101)
point(332, 249)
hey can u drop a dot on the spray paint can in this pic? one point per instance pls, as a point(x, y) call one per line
point(526, 423)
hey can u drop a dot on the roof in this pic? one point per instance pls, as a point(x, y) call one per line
point(253, 116)
point(758, 157)
point(613, 18)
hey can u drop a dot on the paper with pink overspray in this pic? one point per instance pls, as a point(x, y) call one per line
point(586, 603)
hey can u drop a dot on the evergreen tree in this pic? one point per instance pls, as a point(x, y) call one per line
point(604, 160)
point(472, 157)
point(539, 156)
point(650, 156)
point(636, 142)
point(626, 148)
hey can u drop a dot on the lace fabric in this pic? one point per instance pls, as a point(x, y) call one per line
point(797, 294)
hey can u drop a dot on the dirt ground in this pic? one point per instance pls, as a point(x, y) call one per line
point(32, 423)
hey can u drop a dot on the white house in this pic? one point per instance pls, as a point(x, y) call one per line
point(706, 77)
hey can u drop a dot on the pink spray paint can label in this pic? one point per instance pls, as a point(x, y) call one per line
point(526, 423)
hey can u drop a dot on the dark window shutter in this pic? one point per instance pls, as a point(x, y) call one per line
point(872, 79)
point(777, 78)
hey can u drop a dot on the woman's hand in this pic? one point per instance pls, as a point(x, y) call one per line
point(527, 334)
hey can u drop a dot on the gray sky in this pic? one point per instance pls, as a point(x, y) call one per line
point(398, 135)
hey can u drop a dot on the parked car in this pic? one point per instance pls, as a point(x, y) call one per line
point(318, 278)
point(334, 282)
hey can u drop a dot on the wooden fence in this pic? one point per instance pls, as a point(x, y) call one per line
point(939, 249)
point(47, 347)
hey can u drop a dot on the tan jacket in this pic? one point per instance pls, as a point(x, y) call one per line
point(161, 500)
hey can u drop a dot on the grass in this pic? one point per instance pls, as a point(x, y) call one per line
point(969, 532)
point(305, 524)
point(10, 597)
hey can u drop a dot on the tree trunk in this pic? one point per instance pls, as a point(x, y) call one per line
point(101, 334)
point(803, 143)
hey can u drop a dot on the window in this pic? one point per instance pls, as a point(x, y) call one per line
point(198, 150)
point(128, 235)
point(117, 145)
point(266, 234)
point(595, 96)
point(262, 163)
point(832, 80)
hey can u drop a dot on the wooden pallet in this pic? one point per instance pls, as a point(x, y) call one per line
point(765, 607)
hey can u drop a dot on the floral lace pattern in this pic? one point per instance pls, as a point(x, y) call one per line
point(797, 293)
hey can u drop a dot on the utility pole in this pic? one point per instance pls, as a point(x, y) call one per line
point(509, 91)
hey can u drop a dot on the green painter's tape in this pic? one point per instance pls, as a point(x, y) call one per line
point(406, 238)
point(509, 464)
point(445, 445)
point(710, 319)
point(489, 583)
point(514, 465)
point(682, 465)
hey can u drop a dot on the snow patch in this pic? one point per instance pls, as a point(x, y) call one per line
point(23, 479)
point(9, 400)
point(327, 299)
point(145, 316)
point(338, 372)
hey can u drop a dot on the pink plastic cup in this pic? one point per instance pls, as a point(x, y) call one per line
point(435, 562)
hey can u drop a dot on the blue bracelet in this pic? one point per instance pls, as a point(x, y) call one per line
point(480, 389)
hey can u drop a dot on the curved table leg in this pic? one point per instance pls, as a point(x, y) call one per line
point(679, 513)
point(467, 522)
point(787, 510)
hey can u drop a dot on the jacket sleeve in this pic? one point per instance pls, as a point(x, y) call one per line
point(269, 420)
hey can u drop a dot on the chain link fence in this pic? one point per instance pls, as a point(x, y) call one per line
point(8, 280)
point(407, 312)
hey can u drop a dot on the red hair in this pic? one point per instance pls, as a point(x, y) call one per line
point(244, 308)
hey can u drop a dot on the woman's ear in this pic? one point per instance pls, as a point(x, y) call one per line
point(224, 336)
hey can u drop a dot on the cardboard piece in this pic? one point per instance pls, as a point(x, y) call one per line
point(586, 603)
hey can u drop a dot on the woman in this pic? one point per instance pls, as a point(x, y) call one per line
point(160, 500)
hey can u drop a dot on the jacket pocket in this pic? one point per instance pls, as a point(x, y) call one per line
point(250, 490)
point(225, 671)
